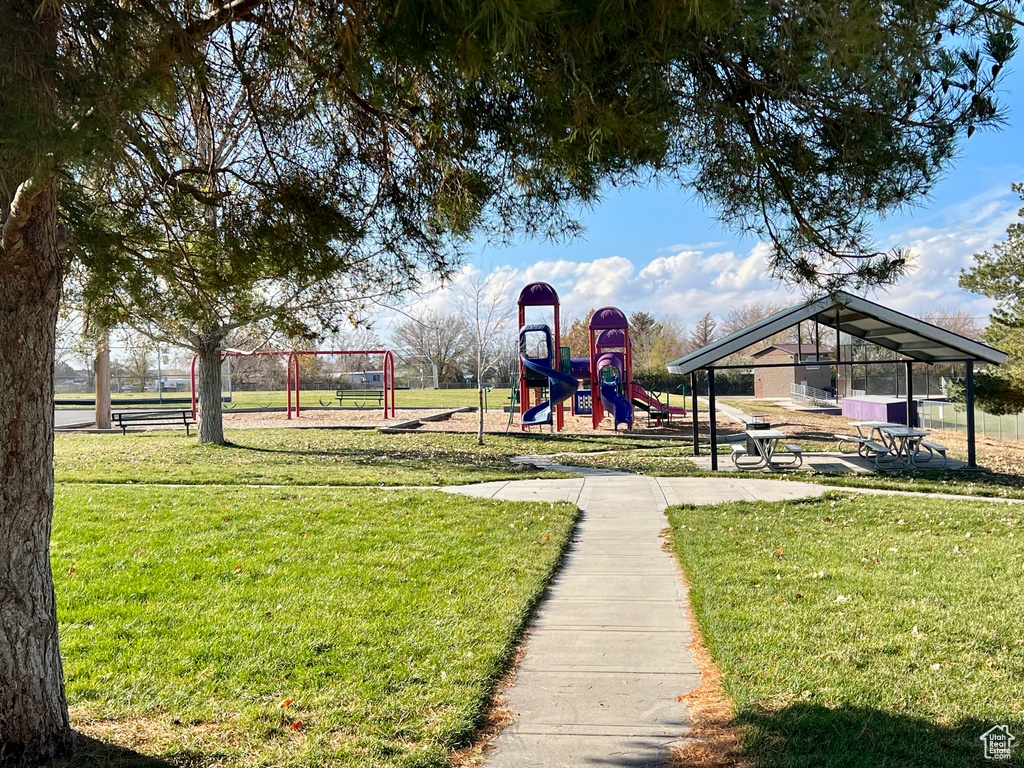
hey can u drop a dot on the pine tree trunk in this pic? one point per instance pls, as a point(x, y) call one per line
point(211, 422)
point(102, 368)
point(34, 724)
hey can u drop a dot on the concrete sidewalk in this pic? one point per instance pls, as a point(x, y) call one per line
point(606, 657)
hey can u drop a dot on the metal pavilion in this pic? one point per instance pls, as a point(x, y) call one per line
point(916, 341)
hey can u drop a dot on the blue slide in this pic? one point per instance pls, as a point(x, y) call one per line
point(615, 404)
point(561, 386)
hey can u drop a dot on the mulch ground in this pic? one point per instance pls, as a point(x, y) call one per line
point(494, 421)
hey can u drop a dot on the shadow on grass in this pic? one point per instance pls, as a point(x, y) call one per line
point(809, 736)
point(93, 753)
point(373, 455)
point(827, 439)
point(936, 480)
point(470, 451)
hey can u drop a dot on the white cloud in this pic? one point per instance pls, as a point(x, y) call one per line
point(690, 280)
point(689, 283)
point(940, 253)
point(582, 285)
point(667, 268)
point(745, 272)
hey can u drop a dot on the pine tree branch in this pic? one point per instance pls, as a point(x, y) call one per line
point(224, 14)
point(21, 210)
point(985, 8)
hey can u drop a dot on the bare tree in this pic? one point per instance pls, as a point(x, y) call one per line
point(670, 342)
point(440, 338)
point(72, 341)
point(752, 312)
point(955, 320)
point(655, 341)
point(506, 364)
point(255, 372)
point(485, 307)
point(135, 364)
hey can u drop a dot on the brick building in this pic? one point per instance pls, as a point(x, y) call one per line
point(776, 382)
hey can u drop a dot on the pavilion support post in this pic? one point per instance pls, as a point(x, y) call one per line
point(972, 458)
point(910, 393)
point(712, 416)
point(693, 411)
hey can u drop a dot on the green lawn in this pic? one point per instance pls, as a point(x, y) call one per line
point(384, 615)
point(404, 398)
point(862, 631)
point(311, 457)
point(188, 615)
point(434, 398)
point(496, 398)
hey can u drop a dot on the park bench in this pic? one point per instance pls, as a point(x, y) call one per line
point(361, 398)
point(855, 439)
point(932, 448)
point(876, 448)
point(798, 454)
point(866, 447)
point(163, 417)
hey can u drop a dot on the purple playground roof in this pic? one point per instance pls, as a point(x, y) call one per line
point(610, 358)
point(613, 337)
point(608, 317)
point(538, 295)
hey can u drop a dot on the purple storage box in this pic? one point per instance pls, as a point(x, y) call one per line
point(876, 408)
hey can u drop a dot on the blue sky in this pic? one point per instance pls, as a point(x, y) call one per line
point(657, 249)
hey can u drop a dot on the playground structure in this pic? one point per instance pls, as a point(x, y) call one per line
point(294, 379)
point(539, 373)
point(611, 367)
point(548, 379)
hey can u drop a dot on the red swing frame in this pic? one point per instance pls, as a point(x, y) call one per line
point(294, 380)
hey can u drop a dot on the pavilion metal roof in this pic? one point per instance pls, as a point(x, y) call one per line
point(914, 339)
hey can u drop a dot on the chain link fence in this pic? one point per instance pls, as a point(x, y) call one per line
point(953, 416)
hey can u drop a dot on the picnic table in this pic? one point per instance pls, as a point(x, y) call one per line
point(870, 438)
point(904, 444)
point(766, 443)
point(875, 429)
point(894, 446)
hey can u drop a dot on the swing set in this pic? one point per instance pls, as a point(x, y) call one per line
point(294, 379)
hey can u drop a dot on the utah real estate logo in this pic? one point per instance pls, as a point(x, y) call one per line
point(998, 741)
